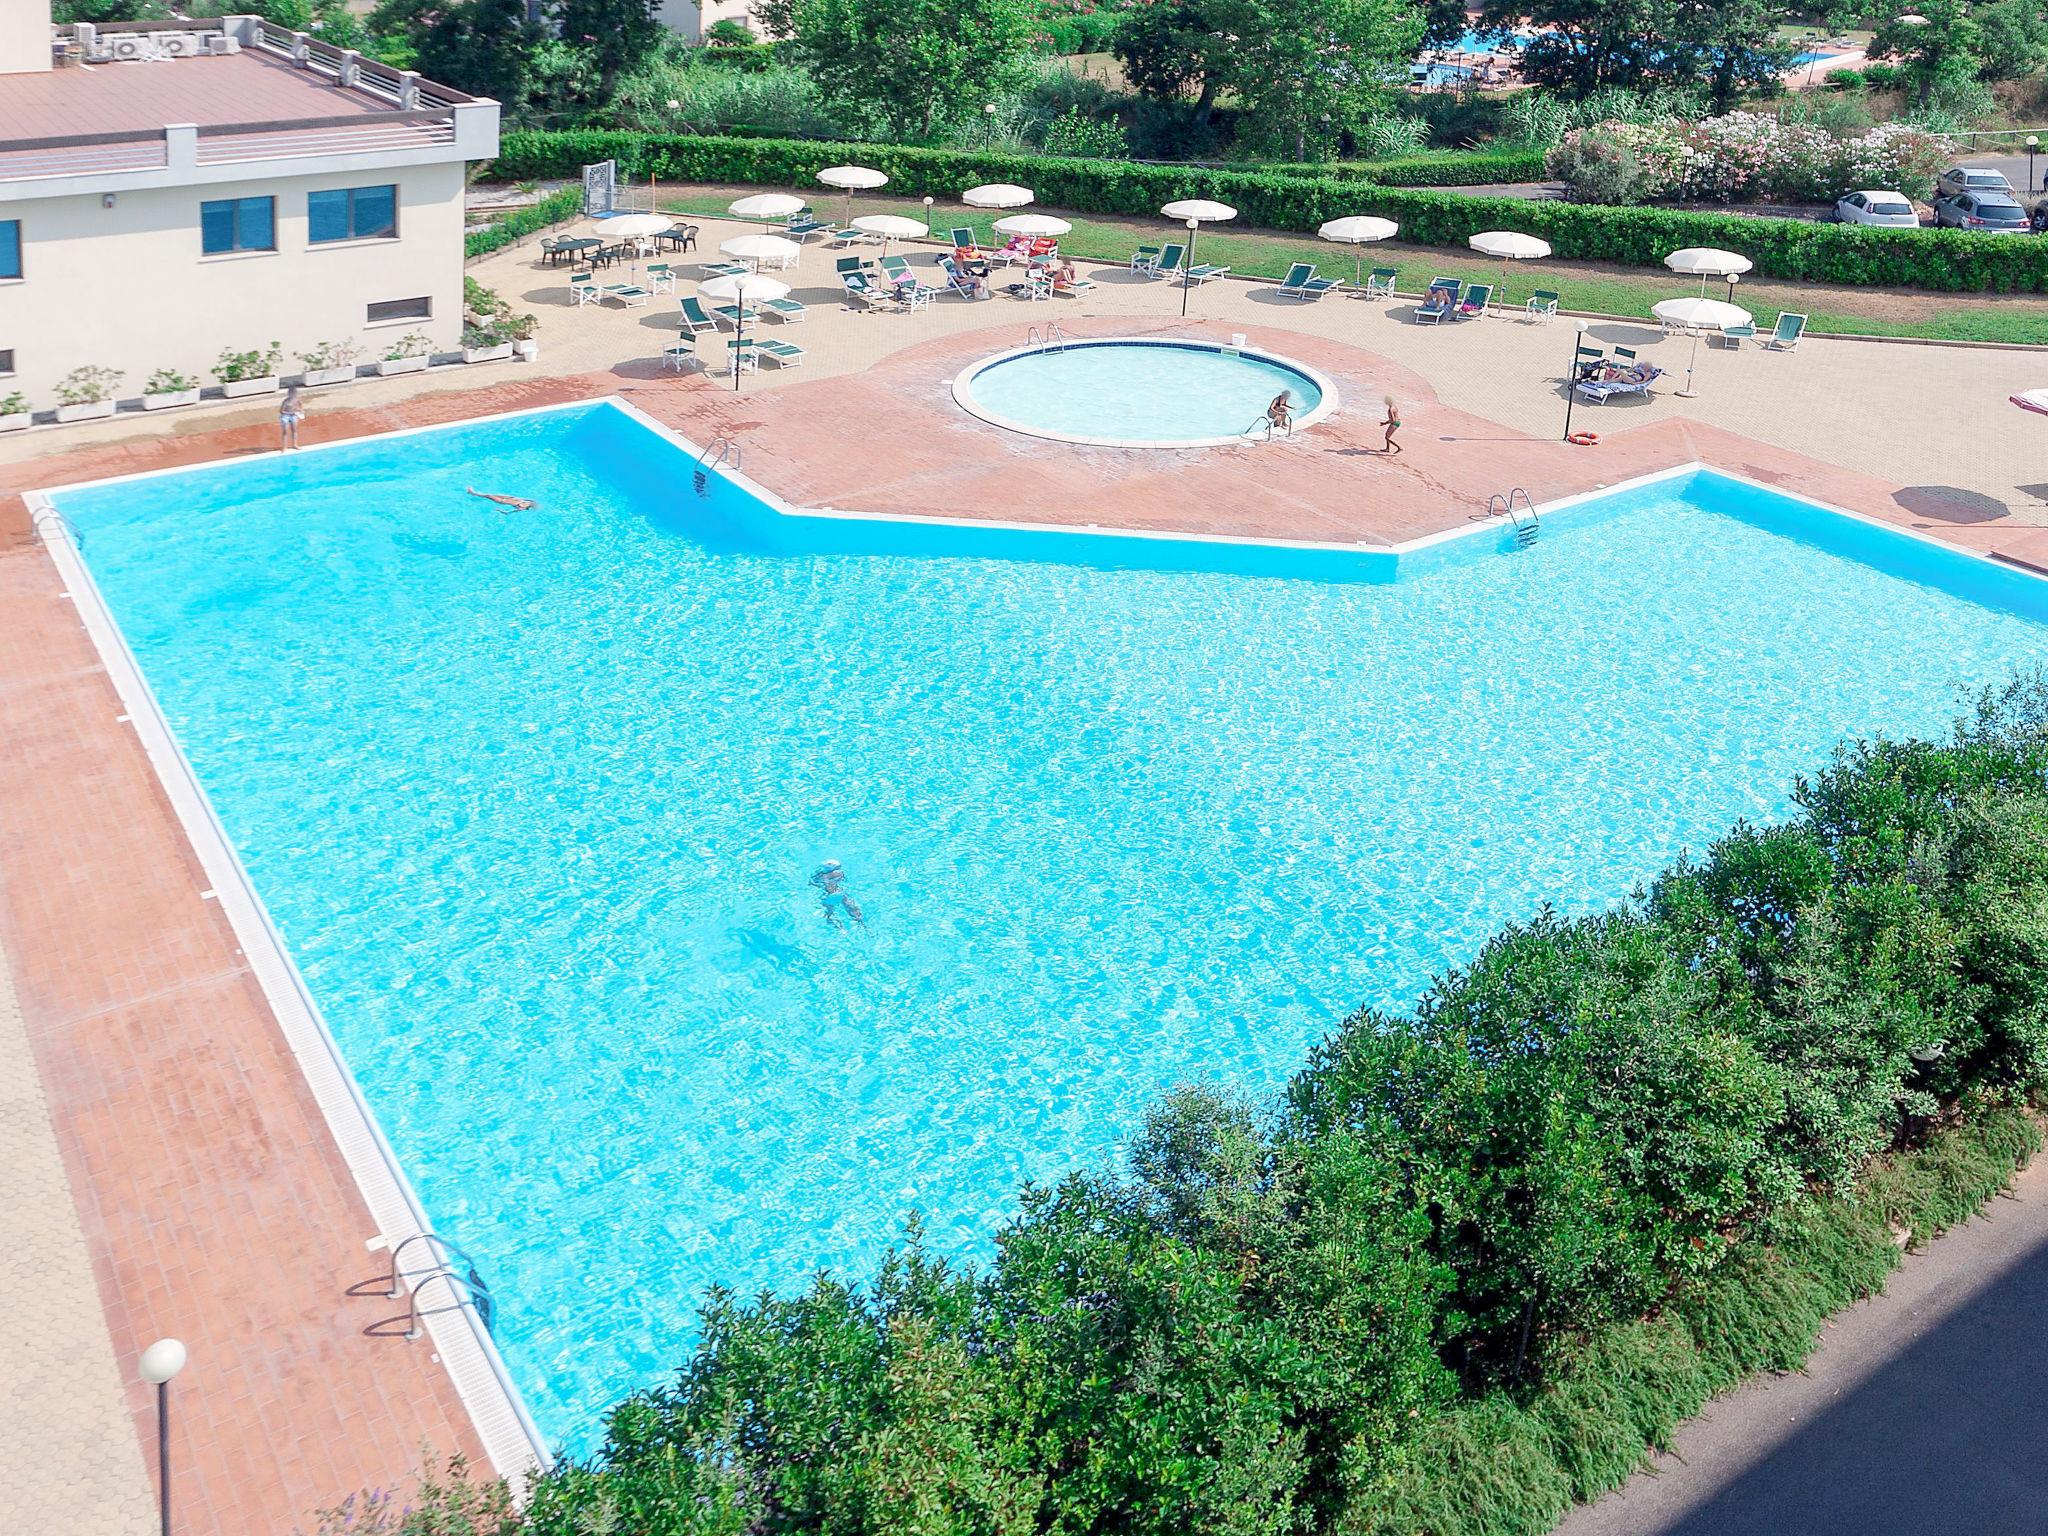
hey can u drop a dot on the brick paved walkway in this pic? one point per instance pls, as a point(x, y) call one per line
point(211, 1200)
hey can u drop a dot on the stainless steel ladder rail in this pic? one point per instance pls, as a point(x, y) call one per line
point(445, 1262)
point(1502, 504)
point(49, 514)
point(1049, 336)
point(721, 450)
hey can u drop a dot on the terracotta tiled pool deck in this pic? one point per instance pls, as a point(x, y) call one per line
point(211, 1198)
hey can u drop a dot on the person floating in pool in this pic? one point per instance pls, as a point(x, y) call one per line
point(512, 503)
point(830, 880)
point(1280, 415)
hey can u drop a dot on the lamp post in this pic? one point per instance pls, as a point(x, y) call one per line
point(160, 1362)
point(1571, 376)
point(1194, 226)
point(1733, 279)
point(2033, 144)
point(739, 345)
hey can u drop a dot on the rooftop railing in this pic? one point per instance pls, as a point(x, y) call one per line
point(407, 113)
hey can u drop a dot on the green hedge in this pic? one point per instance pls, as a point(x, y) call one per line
point(1943, 260)
point(555, 208)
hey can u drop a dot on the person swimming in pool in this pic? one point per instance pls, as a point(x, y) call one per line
point(830, 880)
point(515, 503)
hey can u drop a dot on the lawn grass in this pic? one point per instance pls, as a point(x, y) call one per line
point(1586, 287)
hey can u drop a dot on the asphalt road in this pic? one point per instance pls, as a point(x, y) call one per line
point(1924, 1412)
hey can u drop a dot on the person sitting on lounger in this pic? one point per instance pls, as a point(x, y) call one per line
point(1439, 301)
point(515, 503)
point(970, 260)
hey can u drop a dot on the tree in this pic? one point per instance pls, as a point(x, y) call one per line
point(2013, 39)
point(1305, 70)
point(1724, 46)
point(484, 47)
point(617, 34)
point(1168, 49)
point(911, 63)
point(1940, 42)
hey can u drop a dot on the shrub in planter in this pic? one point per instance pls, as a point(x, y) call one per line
point(87, 392)
point(167, 388)
point(409, 354)
point(332, 362)
point(248, 373)
point(490, 326)
point(14, 412)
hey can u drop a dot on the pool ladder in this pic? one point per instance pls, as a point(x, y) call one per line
point(46, 515)
point(723, 450)
point(1048, 336)
point(453, 1268)
point(1503, 505)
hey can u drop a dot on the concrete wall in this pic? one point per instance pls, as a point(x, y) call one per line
point(127, 287)
point(24, 36)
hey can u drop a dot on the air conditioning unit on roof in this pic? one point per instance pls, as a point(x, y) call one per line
point(180, 45)
point(219, 43)
point(127, 47)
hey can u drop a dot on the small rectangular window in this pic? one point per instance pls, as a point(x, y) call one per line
point(6, 361)
point(238, 224)
point(352, 213)
point(10, 247)
point(400, 309)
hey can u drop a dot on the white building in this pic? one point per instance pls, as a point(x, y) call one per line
point(693, 18)
point(169, 190)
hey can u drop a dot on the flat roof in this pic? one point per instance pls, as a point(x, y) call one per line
point(245, 87)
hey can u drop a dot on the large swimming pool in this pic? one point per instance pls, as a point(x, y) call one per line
point(535, 800)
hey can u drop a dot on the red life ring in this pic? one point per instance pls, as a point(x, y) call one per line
point(1584, 439)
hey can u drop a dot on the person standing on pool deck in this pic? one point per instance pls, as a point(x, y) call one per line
point(1392, 425)
point(290, 413)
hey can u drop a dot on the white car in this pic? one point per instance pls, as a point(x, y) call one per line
point(1958, 179)
point(1889, 209)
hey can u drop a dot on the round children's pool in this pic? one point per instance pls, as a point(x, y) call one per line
point(1128, 392)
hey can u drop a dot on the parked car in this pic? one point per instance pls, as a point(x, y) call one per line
point(1958, 179)
point(2037, 221)
point(1889, 209)
point(1992, 212)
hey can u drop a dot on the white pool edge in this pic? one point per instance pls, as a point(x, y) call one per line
point(511, 1439)
point(963, 394)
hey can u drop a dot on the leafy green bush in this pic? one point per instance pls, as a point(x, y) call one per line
point(555, 208)
point(1477, 1258)
point(1945, 260)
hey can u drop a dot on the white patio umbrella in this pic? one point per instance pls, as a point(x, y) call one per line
point(637, 227)
point(743, 288)
point(1700, 317)
point(762, 249)
point(1032, 224)
point(890, 226)
point(1195, 212)
point(1704, 261)
point(767, 205)
point(1509, 245)
point(1358, 230)
point(997, 194)
point(850, 179)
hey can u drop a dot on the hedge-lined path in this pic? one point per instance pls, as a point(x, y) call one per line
point(119, 962)
point(1920, 1411)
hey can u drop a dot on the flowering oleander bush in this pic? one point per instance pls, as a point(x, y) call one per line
point(1743, 155)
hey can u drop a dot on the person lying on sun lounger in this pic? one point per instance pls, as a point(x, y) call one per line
point(1440, 301)
point(516, 503)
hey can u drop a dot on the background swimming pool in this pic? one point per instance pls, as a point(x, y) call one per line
point(1137, 392)
point(534, 799)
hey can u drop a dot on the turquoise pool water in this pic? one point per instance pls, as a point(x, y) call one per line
point(534, 799)
point(1136, 392)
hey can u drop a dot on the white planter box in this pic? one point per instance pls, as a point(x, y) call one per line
point(390, 365)
point(236, 388)
point(486, 354)
point(92, 410)
point(316, 378)
point(14, 421)
point(170, 399)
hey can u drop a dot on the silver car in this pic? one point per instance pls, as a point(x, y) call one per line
point(1958, 179)
point(1990, 212)
point(1890, 210)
